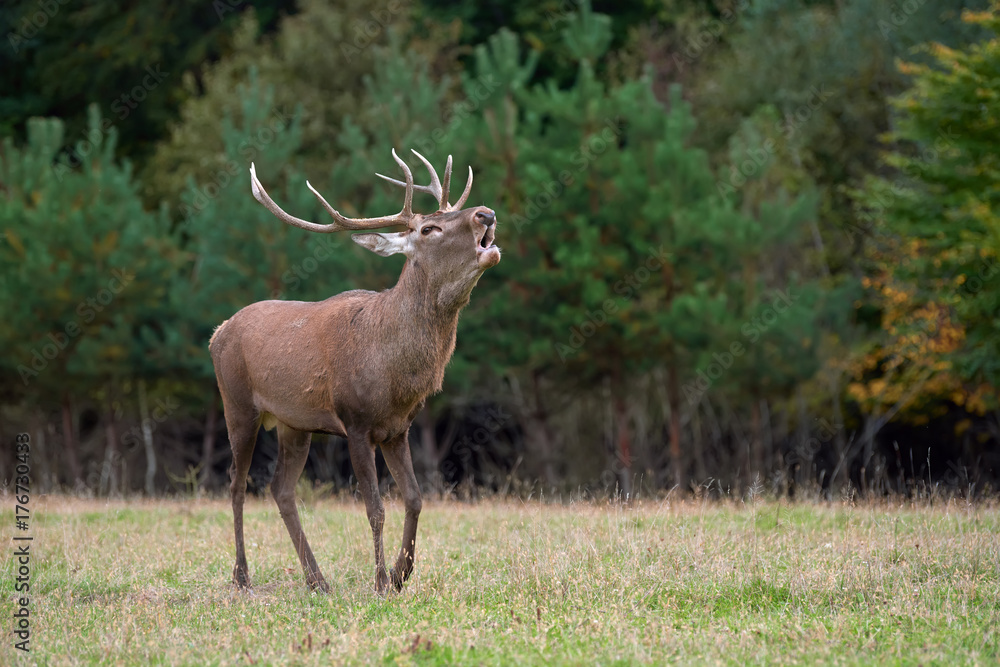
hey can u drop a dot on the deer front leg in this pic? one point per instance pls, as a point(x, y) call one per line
point(293, 450)
point(363, 461)
point(397, 457)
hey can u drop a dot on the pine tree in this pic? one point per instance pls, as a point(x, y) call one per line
point(935, 267)
point(85, 272)
point(628, 255)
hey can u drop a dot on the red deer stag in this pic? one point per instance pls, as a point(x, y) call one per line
point(358, 365)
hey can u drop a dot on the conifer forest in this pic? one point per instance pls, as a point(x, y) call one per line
point(748, 245)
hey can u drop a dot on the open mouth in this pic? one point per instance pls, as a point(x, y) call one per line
point(487, 239)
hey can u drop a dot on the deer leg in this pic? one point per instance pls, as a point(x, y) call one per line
point(397, 457)
point(293, 449)
point(363, 461)
point(242, 427)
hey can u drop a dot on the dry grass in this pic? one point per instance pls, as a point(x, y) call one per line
point(509, 583)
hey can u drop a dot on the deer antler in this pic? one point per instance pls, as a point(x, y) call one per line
point(341, 222)
point(435, 188)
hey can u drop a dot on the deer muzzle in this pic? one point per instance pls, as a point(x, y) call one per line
point(488, 254)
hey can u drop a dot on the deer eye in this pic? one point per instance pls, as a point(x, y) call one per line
point(428, 229)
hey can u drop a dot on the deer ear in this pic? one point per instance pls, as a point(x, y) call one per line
point(384, 244)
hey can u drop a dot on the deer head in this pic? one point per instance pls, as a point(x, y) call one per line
point(454, 246)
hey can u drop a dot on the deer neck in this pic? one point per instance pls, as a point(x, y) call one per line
point(425, 299)
point(424, 314)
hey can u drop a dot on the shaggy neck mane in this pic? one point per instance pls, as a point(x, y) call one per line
point(412, 321)
point(418, 301)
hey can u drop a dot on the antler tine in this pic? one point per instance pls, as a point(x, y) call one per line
point(261, 195)
point(445, 189)
point(341, 222)
point(408, 198)
point(416, 188)
point(436, 188)
point(465, 194)
point(441, 194)
point(410, 187)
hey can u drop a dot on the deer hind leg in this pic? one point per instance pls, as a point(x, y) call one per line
point(242, 425)
point(363, 462)
point(293, 449)
point(397, 457)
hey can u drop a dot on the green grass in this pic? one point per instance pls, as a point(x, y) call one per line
point(147, 582)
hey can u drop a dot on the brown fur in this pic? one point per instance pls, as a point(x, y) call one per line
point(214, 332)
point(360, 365)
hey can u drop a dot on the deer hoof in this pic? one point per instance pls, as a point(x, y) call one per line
point(319, 585)
point(241, 578)
point(397, 579)
point(382, 583)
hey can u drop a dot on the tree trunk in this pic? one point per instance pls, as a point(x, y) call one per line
point(673, 381)
point(208, 445)
point(769, 459)
point(428, 444)
point(610, 475)
point(40, 452)
point(674, 398)
point(698, 440)
point(802, 432)
point(623, 447)
point(8, 448)
point(542, 432)
point(147, 439)
point(69, 443)
point(640, 414)
point(840, 442)
point(755, 463)
point(109, 472)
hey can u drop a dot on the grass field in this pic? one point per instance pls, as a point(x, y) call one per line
point(147, 582)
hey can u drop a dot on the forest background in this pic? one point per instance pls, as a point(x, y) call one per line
point(748, 245)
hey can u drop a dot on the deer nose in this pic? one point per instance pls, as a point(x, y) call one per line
point(486, 217)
